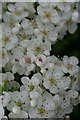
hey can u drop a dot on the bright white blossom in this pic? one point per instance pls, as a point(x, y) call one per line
point(33, 82)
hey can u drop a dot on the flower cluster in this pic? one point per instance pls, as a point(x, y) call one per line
point(34, 83)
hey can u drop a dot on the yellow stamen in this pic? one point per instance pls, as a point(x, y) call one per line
point(31, 87)
point(52, 81)
point(19, 104)
point(41, 111)
point(48, 15)
point(6, 39)
point(38, 49)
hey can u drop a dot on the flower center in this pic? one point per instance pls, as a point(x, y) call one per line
point(52, 81)
point(45, 32)
point(34, 23)
point(40, 59)
point(68, 22)
point(56, 8)
point(19, 104)
point(3, 54)
point(31, 87)
point(38, 49)
point(58, 108)
point(69, 66)
point(24, 36)
point(48, 15)
point(11, 23)
point(57, 62)
point(41, 111)
point(18, 13)
point(25, 50)
point(42, 86)
point(27, 60)
point(6, 39)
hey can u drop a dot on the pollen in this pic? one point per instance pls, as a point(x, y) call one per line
point(68, 22)
point(34, 23)
point(69, 66)
point(19, 104)
point(6, 39)
point(45, 32)
point(31, 87)
point(41, 111)
point(38, 49)
point(52, 80)
point(3, 54)
point(25, 50)
point(24, 36)
point(48, 15)
point(27, 60)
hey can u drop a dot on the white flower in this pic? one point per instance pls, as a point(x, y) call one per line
point(5, 99)
point(53, 36)
point(38, 47)
point(27, 59)
point(33, 102)
point(18, 10)
point(48, 14)
point(47, 86)
point(46, 31)
point(62, 106)
point(8, 66)
point(71, 26)
point(5, 58)
point(47, 53)
point(17, 68)
point(31, 84)
point(53, 63)
point(55, 17)
point(45, 13)
point(6, 77)
point(27, 62)
point(70, 65)
point(64, 83)
point(75, 16)
point(28, 26)
point(22, 114)
point(45, 107)
point(51, 80)
point(43, 70)
point(35, 94)
point(40, 60)
point(1, 112)
point(19, 99)
point(72, 95)
point(36, 79)
point(16, 109)
point(15, 30)
point(9, 40)
point(17, 53)
point(9, 19)
point(25, 23)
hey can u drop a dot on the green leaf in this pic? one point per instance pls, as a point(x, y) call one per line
point(0, 90)
point(5, 87)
